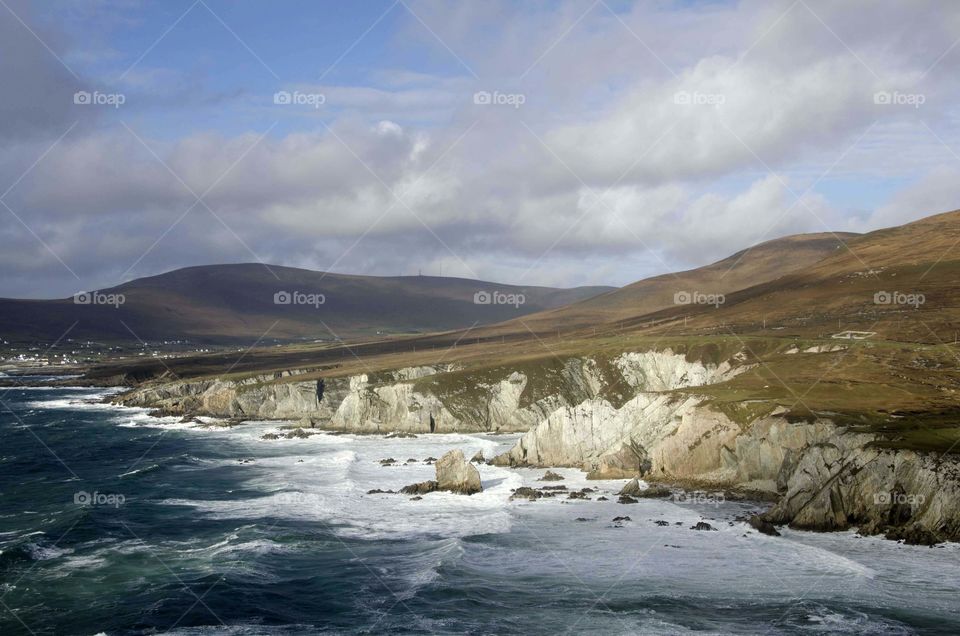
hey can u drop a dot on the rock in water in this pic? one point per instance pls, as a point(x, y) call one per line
point(456, 474)
point(551, 476)
point(420, 488)
point(632, 488)
point(478, 458)
point(763, 526)
point(655, 492)
point(525, 492)
point(702, 525)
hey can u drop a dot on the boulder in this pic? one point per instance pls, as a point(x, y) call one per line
point(763, 526)
point(478, 457)
point(551, 476)
point(626, 499)
point(456, 474)
point(525, 492)
point(702, 525)
point(632, 489)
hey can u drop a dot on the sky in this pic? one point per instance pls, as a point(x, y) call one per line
point(552, 143)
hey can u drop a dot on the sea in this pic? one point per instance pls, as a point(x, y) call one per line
point(116, 522)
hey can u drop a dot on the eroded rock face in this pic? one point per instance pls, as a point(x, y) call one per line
point(610, 442)
point(903, 494)
point(456, 474)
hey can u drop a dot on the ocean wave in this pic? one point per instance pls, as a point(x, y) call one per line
point(140, 471)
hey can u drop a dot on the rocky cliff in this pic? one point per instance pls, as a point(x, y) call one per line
point(633, 414)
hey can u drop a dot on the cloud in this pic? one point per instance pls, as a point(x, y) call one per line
point(653, 138)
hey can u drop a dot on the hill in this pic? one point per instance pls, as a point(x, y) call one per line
point(759, 264)
point(246, 302)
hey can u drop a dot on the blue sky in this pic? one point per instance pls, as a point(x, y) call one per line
point(623, 139)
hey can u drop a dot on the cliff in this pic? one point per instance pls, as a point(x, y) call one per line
point(632, 414)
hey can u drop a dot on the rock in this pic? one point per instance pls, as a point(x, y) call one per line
point(581, 519)
point(551, 476)
point(763, 526)
point(626, 499)
point(457, 475)
point(269, 436)
point(553, 487)
point(702, 525)
point(915, 534)
point(297, 433)
point(577, 495)
point(632, 488)
point(430, 460)
point(478, 457)
point(619, 519)
point(525, 492)
point(400, 435)
point(388, 461)
point(602, 498)
point(411, 461)
point(417, 498)
point(377, 491)
point(655, 492)
point(420, 488)
point(661, 522)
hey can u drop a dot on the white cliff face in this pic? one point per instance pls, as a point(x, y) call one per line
point(665, 371)
point(615, 442)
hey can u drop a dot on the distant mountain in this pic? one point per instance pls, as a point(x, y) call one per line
point(245, 302)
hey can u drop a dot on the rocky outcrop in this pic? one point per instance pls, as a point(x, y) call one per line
point(611, 441)
point(903, 494)
point(456, 474)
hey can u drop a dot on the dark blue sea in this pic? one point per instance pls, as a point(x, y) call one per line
point(114, 522)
